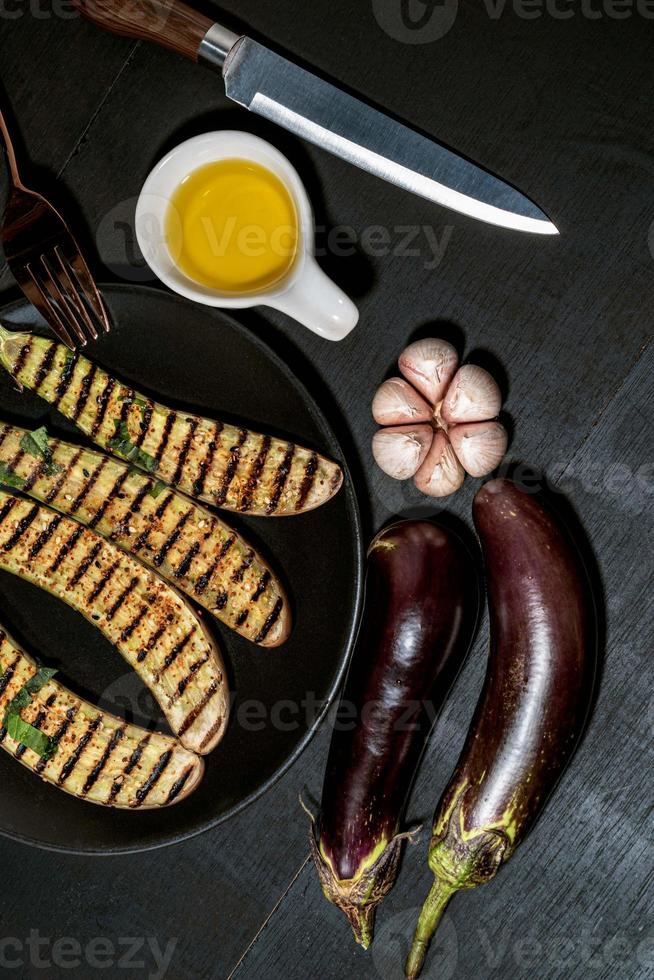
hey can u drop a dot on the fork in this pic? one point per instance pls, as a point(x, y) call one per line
point(47, 263)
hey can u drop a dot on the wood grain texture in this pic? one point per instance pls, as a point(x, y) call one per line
point(561, 107)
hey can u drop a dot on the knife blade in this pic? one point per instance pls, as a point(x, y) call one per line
point(310, 107)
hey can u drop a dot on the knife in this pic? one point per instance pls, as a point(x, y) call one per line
point(273, 87)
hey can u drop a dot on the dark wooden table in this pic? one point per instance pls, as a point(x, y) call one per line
point(559, 101)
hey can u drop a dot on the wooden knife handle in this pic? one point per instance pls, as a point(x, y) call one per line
point(167, 22)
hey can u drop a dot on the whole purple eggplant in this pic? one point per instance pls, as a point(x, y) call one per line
point(421, 608)
point(534, 703)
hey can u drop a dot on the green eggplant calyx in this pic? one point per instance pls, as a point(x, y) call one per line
point(358, 897)
point(463, 856)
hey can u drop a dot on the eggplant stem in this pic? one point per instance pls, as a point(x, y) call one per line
point(430, 915)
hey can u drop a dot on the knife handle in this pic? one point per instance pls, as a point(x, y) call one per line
point(170, 23)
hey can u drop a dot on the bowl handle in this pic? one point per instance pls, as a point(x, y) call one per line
point(317, 303)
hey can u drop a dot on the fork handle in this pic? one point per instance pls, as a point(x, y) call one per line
point(167, 22)
point(11, 153)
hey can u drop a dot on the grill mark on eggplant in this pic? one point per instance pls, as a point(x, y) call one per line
point(63, 476)
point(65, 379)
point(307, 481)
point(6, 429)
point(77, 754)
point(193, 715)
point(156, 636)
point(181, 460)
point(261, 587)
point(270, 622)
point(84, 392)
point(165, 435)
point(44, 367)
point(109, 499)
point(234, 458)
point(85, 565)
point(239, 574)
point(185, 563)
point(185, 681)
point(281, 476)
point(242, 617)
point(134, 508)
point(37, 471)
point(65, 549)
point(175, 652)
point(127, 632)
point(171, 539)
point(21, 528)
point(134, 760)
point(142, 539)
point(102, 402)
point(144, 427)
point(22, 357)
point(15, 460)
point(6, 678)
point(204, 579)
point(59, 734)
point(7, 508)
point(101, 763)
point(255, 475)
point(44, 537)
point(38, 721)
point(120, 601)
point(88, 486)
point(221, 600)
point(179, 785)
point(154, 777)
point(198, 486)
point(215, 728)
point(103, 582)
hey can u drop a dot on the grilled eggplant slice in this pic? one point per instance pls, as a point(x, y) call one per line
point(214, 462)
point(93, 755)
point(185, 543)
point(154, 629)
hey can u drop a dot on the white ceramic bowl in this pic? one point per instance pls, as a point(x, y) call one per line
point(306, 293)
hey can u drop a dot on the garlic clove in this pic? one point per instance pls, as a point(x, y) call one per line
point(429, 365)
point(473, 396)
point(400, 451)
point(480, 446)
point(441, 473)
point(397, 402)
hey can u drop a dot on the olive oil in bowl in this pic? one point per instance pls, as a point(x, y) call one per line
point(232, 226)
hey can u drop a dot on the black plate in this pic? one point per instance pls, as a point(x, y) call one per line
point(201, 359)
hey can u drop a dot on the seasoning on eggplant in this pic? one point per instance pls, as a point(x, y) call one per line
point(182, 541)
point(421, 608)
point(149, 623)
point(90, 754)
point(215, 462)
point(534, 703)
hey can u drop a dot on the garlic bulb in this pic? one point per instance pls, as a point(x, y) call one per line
point(441, 473)
point(400, 451)
point(452, 414)
point(480, 446)
point(473, 396)
point(396, 402)
point(429, 365)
